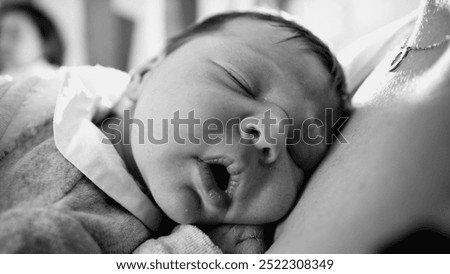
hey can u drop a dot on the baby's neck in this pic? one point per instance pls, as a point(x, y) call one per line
point(124, 150)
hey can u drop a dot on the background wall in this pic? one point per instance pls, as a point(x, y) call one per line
point(124, 33)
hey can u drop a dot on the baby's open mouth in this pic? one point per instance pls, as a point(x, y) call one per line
point(219, 180)
point(221, 175)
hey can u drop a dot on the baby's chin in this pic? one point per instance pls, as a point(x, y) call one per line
point(184, 209)
point(188, 208)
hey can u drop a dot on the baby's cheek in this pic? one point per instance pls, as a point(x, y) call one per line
point(288, 183)
point(184, 206)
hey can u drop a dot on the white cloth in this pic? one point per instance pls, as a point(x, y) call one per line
point(86, 91)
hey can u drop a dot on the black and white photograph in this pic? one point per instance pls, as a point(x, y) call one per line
point(263, 127)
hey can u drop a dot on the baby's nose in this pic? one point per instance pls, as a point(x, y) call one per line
point(266, 133)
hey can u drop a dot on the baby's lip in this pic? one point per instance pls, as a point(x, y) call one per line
point(234, 172)
point(209, 188)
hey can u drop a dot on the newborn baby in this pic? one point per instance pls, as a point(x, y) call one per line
point(241, 67)
point(222, 130)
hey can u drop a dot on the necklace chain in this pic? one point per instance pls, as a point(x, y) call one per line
point(405, 49)
point(434, 45)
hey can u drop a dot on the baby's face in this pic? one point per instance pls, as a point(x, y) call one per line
point(234, 76)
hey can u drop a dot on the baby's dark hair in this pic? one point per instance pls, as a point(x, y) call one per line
point(313, 43)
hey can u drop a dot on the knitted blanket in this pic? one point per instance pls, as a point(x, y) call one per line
point(46, 204)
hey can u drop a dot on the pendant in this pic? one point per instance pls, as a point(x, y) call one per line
point(399, 58)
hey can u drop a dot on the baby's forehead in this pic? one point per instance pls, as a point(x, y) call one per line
point(273, 42)
point(284, 70)
point(257, 31)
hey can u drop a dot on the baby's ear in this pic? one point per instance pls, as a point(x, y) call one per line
point(133, 91)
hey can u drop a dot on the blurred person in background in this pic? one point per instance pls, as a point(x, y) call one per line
point(29, 42)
